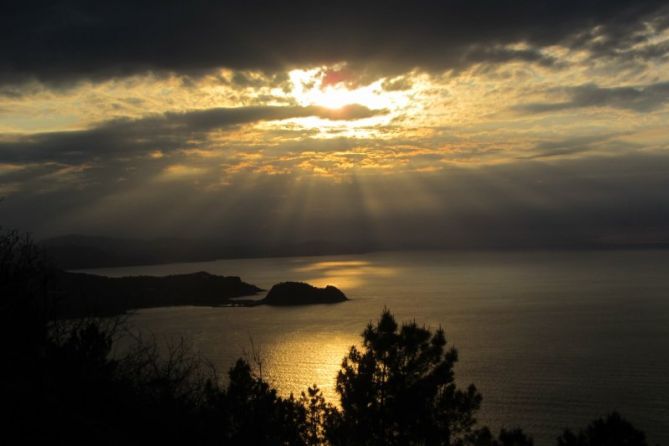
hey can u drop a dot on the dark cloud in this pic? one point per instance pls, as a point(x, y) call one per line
point(240, 79)
point(398, 84)
point(65, 41)
point(572, 145)
point(500, 54)
point(638, 98)
point(649, 52)
point(166, 132)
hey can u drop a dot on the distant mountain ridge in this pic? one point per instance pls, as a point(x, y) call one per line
point(73, 252)
point(83, 252)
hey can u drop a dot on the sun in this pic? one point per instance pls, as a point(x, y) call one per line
point(336, 97)
point(310, 87)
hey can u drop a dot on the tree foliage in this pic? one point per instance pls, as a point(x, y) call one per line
point(613, 430)
point(251, 412)
point(400, 389)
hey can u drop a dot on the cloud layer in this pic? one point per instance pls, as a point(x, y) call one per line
point(165, 133)
point(399, 124)
point(79, 39)
point(637, 98)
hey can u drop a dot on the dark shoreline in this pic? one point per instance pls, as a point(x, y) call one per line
point(84, 294)
point(81, 294)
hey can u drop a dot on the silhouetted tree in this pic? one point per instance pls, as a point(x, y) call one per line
point(24, 299)
point(23, 328)
point(249, 411)
point(613, 430)
point(400, 389)
point(322, 419)
point(513, 437)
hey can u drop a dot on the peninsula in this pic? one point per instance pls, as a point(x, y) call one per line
point(81, 294)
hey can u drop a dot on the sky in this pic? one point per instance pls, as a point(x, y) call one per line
point(398, 124)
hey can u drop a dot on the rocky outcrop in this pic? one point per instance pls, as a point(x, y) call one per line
point(299, 293)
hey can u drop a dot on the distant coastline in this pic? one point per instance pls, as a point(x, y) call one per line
point(78, 252)
point(83, 294)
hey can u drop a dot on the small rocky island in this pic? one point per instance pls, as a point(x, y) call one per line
point(299, 293)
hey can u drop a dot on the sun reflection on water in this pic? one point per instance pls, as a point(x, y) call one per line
point(317, 357)
point(345, 274)
point(317, 266)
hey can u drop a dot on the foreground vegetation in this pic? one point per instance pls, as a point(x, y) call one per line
point(60, 384)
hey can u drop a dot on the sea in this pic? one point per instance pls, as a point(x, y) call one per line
point(550, 339)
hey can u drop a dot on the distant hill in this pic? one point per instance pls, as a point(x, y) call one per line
point(81, 294)
point(83, 252)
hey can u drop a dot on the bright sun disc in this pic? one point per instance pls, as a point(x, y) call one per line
point(335, 97)
point(308, 89)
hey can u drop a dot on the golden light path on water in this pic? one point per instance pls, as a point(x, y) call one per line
point(319, 358)
point(320, 354)
point(343, 274)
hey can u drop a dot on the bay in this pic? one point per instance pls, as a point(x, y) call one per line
point(551, 339)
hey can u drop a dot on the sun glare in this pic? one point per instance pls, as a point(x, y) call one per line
point(336, 97)
point(310, 88)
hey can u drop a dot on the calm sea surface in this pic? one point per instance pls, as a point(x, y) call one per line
point(551, 339)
